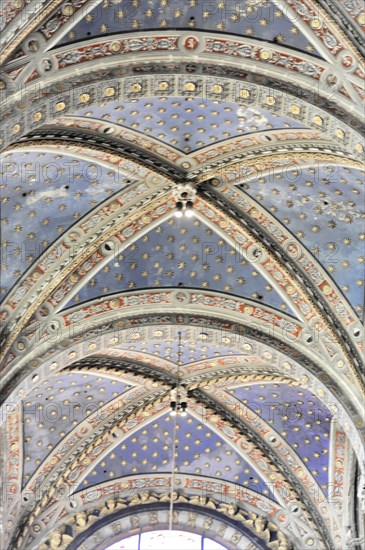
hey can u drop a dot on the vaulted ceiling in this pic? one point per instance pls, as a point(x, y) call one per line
point(254, 305)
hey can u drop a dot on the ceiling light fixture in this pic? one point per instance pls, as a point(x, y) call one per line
point(189, 209)
point(185, 195)
point(179, 209)
point(178, 395)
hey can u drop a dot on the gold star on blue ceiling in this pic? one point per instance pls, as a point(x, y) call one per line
point(188, 125)
point(260, 19)
point(182, 253)
point(56, 406)
point(199, 450)
point(42, 195)
point(199, 343)
point(323, 206)
point(298, 416)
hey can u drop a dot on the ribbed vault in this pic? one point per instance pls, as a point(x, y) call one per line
point(254, 305)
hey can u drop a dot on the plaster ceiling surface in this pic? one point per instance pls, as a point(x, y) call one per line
point(201, 344)
point(260, 19)
point(168, 349)
point(298, 416)
point(42, 196)
point(188, 125)
point(199, 450)
point(53, 408)
point(182, 252)
point(323, 206)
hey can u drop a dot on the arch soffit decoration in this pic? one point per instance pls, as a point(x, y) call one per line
point(210, 214)
point(62, 94)
point(97, 446)
point(222, 500)
point(252, 422)
point(313, 22)
point(213, 382)
point(73, 353)
point(327, 391)
point(211, 46)
point(111, 407)
point(233, 174)
point(198, 522)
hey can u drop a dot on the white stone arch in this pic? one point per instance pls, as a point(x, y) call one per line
point(22, 342)
point(68, 356)
point(49, 353)
point(156, 210)
point(189, 492)
point(113, 87)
